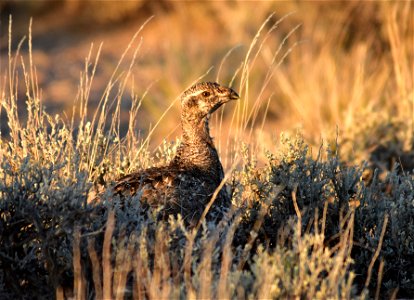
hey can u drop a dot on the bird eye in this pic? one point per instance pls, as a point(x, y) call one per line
point(206, 94)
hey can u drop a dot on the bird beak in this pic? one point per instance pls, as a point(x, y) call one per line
point(225, 95)
point(233, 95)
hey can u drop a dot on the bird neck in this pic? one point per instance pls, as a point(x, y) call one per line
point(197, 148)
point(197, 132)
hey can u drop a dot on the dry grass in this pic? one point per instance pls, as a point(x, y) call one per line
point(275, 243)
point(288, 77)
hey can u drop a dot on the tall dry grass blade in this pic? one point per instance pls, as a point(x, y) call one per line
point(251, 118)
point(215, 194)
point(123, 266)
point(159, 286)
point(10, 102)
point(33, 83)
point(343, 252)
point(377, 251)
point(166, 274)
point(59, 293)
point(79, 281)
point(96, 269)
point(187, 265)
point(155, 286)
point(114, 77)
point(101, 114)
point(223, 291)
point(295, 205)
point(151, 131)
point(394, 294)
point(379, 279)
point(138, 288)
point(217, 116)
point(204, 268)
point(85, 87)
point(120, 93)
point(400, 34)
point(256, 227)
point(245, 72)
point(223, 60)
point(141, 269)
point(106, 256)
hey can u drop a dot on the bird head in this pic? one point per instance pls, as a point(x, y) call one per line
point(202, 99)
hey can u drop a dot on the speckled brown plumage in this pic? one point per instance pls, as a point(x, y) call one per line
point(187, 184)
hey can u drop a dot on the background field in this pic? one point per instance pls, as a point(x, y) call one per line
point(335, 77)
point(344, 62)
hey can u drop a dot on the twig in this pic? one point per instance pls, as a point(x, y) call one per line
point(376, 254)
point(106, 259)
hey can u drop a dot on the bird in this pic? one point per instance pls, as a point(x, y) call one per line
point(186, 185)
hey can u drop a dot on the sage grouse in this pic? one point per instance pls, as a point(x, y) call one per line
point(186, 185)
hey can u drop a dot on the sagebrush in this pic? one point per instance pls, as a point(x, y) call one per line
point(303, 223)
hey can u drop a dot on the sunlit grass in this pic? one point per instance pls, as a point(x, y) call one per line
point(304, 223)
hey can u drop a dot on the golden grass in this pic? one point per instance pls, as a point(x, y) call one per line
point(311, 65)
point(319, 79)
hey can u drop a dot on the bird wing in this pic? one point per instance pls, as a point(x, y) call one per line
point(177, 189)
point(153, 183)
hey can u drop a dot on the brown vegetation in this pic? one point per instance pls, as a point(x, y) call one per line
point(303, 223)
